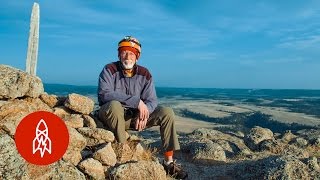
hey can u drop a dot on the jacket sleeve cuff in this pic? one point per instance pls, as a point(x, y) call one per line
point(135, 101)
point(150, 109)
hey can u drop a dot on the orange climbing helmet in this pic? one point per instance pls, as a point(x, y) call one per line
point(130, 43)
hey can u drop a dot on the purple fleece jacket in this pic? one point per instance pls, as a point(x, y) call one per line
point(113, 85)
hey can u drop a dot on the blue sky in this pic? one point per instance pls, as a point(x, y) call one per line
point(219, 44)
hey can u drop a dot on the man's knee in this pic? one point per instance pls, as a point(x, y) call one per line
point(114, 105)
point(166, 112)
point(111, 108)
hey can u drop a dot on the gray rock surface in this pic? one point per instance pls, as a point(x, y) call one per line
point(89, 121)
point(139, 170)
point(12, 165)
point(96, 136)
point(106, 155)
point(15, 110)
point(64, 170)
point(50, 100)
point(237, 144)
point(16, 83)
point(300, 142)
point(207, 152)
point(93, 168)
point(288, 136)
point(73, 120)
point(272, 145)
point(79, 103)
point(76, 144)
point(256, 136)
point(139, 153)
point(313, 164)
point(62, 111)
point(273, 167)
point(56, 171)
point(124, 152)
point(317, 142)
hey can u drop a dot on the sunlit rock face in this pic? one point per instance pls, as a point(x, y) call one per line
point(15, 83)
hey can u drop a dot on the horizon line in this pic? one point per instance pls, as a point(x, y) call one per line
point(194, 87)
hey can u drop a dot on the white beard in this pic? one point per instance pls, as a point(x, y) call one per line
point(128, 64)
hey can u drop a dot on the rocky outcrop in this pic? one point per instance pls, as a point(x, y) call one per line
point(225, 155)
point(231, 145)
point(79, 103)
point(73, 120)
point(207, 152)
point(57, 170)
point(139, 153)
point(139, 170)
point(90, 153)
point(12, 165)
point(106, 155)
point(288, 136)
point(76, 144)
point(300, 142)
point(312, 137)
point(13, 111)
point(52, 100)
point(256, 136)
point(16, 83)
point(313, 164)
point(93, 168)
point(274, 167)
point(96, 136)
point(89, 121)
point(317, 142)
point(62, 111)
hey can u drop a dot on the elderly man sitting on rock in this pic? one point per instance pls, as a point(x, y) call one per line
point(128, 100)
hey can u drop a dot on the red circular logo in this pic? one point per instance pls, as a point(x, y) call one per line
point(42, 138)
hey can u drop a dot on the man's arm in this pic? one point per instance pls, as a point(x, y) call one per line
point(149, 96)
point(106, 91)
point(147, 104)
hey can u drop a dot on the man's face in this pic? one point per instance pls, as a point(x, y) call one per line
point(128, 59)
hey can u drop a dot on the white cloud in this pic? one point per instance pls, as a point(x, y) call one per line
point(302, 43)
point(282, 60)
point(186, 55)
point(268, 17)
point(197, 56)
point(268, 58)
point(151, 22)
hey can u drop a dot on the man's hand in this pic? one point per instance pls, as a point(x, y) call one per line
point(143, 116)
point(140, 124)
point(143, 111)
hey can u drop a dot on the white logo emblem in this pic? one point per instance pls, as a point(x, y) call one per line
point(42, 141)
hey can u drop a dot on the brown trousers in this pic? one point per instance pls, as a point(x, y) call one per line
point(113, 115)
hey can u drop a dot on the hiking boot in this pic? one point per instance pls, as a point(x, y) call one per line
point(175, 170)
